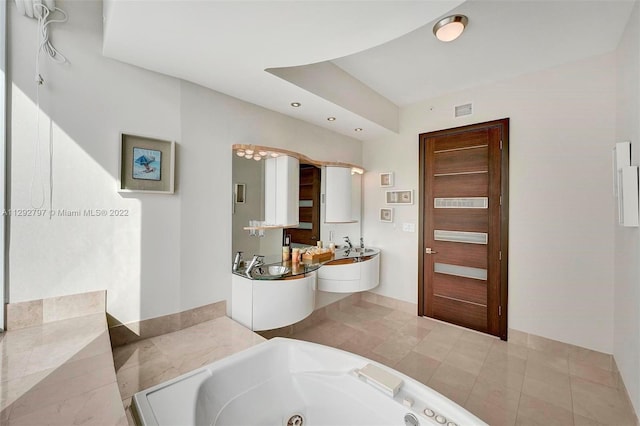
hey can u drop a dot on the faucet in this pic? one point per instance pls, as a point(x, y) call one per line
point(236, 261)
point(362, 243)
point(348, 241)
point(256, 261)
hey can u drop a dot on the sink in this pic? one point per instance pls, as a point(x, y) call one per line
point(362, 250)
point(269, 272)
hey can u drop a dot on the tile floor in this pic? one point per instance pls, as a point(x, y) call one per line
point(59, 373)
point(527, 381)
point(149, 362)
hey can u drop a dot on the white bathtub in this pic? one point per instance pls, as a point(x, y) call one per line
point(285, 381)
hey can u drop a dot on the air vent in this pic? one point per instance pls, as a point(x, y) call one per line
point(462, 110)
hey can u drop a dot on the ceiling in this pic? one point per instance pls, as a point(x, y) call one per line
point(357, 61)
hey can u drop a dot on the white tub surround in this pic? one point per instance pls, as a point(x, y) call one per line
point(351, 275)
point(268, 304)
point(281, 379)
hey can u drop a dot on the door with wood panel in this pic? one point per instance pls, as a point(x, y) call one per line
point(464, 226)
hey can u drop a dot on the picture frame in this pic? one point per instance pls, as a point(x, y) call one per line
point(403, 197)
point(386, 179)
point(386, 215)
point(239, 193)
point(146, 164)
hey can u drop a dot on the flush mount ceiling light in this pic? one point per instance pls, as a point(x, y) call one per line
point(331, 118)
point(295, 104)
point(358, 129)
point(450, 28)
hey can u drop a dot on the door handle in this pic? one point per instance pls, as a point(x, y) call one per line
point(429, 251)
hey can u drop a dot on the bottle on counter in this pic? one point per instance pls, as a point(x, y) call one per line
point(285, 252)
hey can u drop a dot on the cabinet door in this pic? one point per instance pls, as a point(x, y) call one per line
point(338, 194)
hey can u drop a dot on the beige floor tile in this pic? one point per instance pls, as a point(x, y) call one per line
point(396, 347)
point(534, 411)
point(579, 420)
point(555, 393)
point(433, 348)
point(59, 386)
point(549, 346)
point(488, 413)
point(446, 333)
point(593, 374)
point(413, 330)
point(417, 366)
point(474, 349)
point(399, 316)
point(361, 342)
point(464, 362)
point(503, 375)
point(496, 395)
point(558, 363)
point(377, 328)
point(134, 354)
point(517, 337)
point(13, 366)
point(379, 358)
point(135, 379)
point(600, 403)
point(452, 382)
point(543, 373)
point(424, 322)
point(596, 359)
point(509, 349)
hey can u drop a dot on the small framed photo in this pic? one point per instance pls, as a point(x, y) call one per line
point(386, 215)
point(146, 164)
point(399, 197)
point(240, 193)
point(386, 179)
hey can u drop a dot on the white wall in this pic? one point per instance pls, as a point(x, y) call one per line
point(173, 252)
point(627, 240)
point(561, 203)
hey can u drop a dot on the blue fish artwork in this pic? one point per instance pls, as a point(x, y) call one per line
point(146, 164)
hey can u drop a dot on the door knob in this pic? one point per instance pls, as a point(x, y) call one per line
point(429, 251)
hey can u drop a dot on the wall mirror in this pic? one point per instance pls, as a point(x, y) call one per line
point(249, 173)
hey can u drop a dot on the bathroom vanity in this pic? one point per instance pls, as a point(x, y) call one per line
point(280, 293)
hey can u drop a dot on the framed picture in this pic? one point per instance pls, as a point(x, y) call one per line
point(386, 215)
point(399, 197)
point(239, 191)
point(386, 179)
point(146, 164)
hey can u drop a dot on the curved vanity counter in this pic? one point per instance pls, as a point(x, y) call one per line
point(351, 274)
point(278, 294)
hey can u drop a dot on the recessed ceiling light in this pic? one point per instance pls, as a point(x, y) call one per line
point(262, 153)
point(331, 118)
point(249, 151)
point(240, 153)
point(358, 129)
point(274, 154)
point(295, 104)
point(257, 158)
point(450, 28)
point(248, 156)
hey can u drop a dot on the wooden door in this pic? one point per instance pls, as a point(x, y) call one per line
point(464, 226)
point(309, 209)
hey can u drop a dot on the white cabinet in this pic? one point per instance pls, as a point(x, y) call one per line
point(338, 195)
point(350, 277)
point(265, 305)
point(282, 176)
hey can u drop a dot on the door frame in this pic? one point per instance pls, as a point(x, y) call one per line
point(504, 215)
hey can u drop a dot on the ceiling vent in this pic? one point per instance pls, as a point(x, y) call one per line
point(462, 110)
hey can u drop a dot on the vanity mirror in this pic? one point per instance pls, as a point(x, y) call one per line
point(313, 195)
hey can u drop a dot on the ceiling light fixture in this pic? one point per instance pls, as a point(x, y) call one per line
point(450, 28)
point(331, 118)
point(358, 129)
point(295, 104)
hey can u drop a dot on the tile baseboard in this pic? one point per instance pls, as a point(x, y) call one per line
point(122, 334)
point(42, 311)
